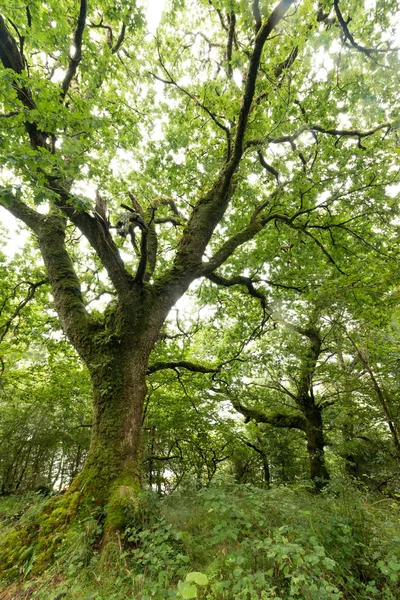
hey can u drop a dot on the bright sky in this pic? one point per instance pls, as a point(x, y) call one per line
point(153, 13)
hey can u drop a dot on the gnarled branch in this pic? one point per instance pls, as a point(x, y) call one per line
point(350, 38)
point(275, 419)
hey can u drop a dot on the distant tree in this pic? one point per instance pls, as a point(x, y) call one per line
point(297, 390)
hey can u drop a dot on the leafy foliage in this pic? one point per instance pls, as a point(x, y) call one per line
point(237, 541)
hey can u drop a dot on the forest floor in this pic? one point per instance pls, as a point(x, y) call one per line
point(224, 542)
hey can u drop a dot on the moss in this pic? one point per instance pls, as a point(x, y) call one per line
point(32, 546)
point(38, 539)
point(123, 507)
point(14, 552)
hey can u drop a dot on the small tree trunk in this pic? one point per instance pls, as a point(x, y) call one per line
point(266, 471)
point(315, 447)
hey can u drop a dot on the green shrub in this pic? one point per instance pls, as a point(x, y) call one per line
point(234, 541)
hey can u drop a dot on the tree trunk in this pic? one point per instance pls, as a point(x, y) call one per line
point(315, 447)
point(112, 472)
point(266, 471)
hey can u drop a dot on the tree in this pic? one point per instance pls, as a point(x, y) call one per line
point(307, 414)
point(254, 140)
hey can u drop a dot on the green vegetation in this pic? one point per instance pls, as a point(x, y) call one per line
point(199, 299)
point(227, 541)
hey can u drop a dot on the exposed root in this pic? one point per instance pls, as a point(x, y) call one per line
point(63, 522)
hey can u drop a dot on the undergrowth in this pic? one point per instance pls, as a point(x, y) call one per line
point(225, 542)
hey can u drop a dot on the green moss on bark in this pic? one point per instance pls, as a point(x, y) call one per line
point(124, 505)
point(32, 546)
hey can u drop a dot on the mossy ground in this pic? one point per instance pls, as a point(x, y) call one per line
point(250, 544)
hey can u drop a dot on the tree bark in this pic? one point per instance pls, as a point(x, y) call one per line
point(315, 447)
point(119, 390)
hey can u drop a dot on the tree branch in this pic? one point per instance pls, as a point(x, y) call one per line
point(75, 320)
point(351, 132)
point(4, 328)
point(291, 138)
point(77, 56)
point(10, 55)
point(349, 37)
point(244, 281)
point(231, 35)
point(183, 364)
point(238, 239)
point(268, 167)
point(210, 208)
point(99, 237)
point(141, 270)
point(12, 59)
point(20, 210)
point(275, 17)
point(275, 419)
point(10, 114)
point(321, 247)
point(256, 14)
point(50, 230)
point(120, 39)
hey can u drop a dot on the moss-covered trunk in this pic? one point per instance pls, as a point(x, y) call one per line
point(315, 446)
point(109, 484)
point(111, 476)
point(119, 389)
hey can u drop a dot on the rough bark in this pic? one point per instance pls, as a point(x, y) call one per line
point(119, 390)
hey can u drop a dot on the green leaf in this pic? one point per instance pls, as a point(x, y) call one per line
point(197, 577)
point(186, 590)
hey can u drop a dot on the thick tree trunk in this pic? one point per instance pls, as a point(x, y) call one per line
point(315, 447)
point(111, 476)
point(110, 480)
point(118, 397)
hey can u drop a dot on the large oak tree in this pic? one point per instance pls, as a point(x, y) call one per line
point(234, 122)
